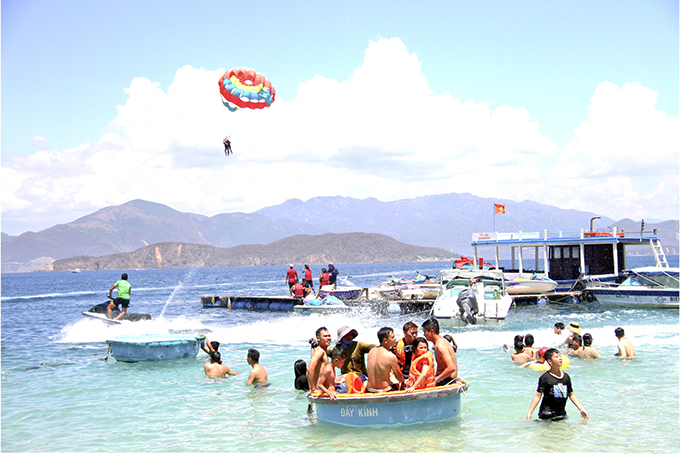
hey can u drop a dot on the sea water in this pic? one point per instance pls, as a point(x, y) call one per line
point(58, 394)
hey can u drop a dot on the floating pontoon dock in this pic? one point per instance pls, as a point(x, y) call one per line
point(287, 303)
point(262, 303)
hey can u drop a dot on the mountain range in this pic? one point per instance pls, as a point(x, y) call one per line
point(445, 221)
point(297, 249)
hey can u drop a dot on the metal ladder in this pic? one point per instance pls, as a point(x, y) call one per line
point(659, 256)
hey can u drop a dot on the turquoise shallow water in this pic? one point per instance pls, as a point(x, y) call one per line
point(86, 404)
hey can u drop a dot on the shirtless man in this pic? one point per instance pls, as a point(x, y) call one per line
point(382, 362)
point(626, 349)
point(319, 358)
point(216, 369)
point(447, 366)
point(258, 376)
point(578, 349)
point(326, 382)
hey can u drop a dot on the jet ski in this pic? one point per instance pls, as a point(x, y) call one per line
point(100, 312)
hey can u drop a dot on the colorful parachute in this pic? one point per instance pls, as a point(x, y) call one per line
point(246, 88)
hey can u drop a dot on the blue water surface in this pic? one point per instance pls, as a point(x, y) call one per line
point(58, 394)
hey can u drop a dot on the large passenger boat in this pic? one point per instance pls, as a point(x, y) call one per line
point(571, 259)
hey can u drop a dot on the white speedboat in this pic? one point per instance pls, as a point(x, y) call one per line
point(649, 286)
point(535, 285)
point(463, 301)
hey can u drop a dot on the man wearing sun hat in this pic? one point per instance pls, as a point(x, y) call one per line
point(355, 351)
point(575, 328)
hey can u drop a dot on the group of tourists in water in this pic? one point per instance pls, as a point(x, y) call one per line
point(406, 364)
point(554, 386)
point(578, 345)
point(215, 369)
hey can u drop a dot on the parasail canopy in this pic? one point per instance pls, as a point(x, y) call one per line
point(246, 88)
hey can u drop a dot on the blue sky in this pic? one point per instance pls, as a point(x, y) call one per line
point(573, 104)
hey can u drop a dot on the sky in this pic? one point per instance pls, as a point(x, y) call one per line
point(572, 104)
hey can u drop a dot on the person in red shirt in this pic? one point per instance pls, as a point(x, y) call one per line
point(308, 276)
point(291, 276)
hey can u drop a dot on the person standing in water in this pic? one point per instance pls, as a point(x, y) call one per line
point(257, 376)
point(626, 349)
point(555, 388)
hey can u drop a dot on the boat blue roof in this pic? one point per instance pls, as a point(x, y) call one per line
point(558, 238)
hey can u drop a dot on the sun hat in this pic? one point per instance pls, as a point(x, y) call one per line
point(542, 351)
point(574, 327)
point(291, 265)
point(344, 329)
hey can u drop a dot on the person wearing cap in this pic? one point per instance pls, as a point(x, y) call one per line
point(575, 328)
point(540, 358)
point(555, 388)
point(308, 277)
point(354, 350)
point(291, 276)
point(216, 369)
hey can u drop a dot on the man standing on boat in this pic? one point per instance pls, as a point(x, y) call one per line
point(333, 274)
point(382, 363)
point(122, 297)
point(447, 366)
point(308, 277)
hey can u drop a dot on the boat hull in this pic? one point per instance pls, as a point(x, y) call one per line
point(151, 347)
point(636, 297)
point(341, 293)
point(394, 408)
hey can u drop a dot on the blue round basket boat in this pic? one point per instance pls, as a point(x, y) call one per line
point(154, 347)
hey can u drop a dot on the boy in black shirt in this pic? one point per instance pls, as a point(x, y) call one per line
point(555, 387)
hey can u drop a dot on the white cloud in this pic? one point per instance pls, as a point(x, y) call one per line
point(381, 133)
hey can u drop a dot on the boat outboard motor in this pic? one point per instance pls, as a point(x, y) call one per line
point(467, 303)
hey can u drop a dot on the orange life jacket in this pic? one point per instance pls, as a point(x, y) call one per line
point(417, 369)
point(400, 352)
point(325, 279)
point(298, 290)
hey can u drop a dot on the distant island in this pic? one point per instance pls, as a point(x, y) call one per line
point(297, 249)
